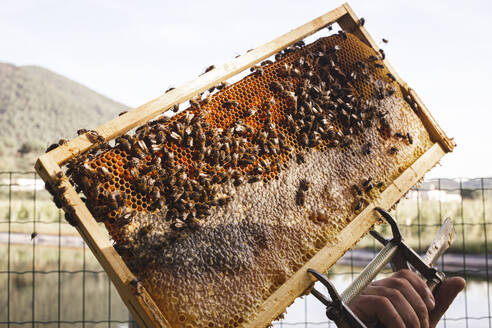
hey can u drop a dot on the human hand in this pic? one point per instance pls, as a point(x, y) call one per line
point(404, 301)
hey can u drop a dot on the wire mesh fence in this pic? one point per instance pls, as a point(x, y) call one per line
point(49, 278)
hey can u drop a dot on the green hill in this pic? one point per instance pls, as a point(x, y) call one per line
point(38, 107)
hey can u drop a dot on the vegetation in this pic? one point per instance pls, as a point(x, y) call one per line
point(39, 107)
point(418, 219)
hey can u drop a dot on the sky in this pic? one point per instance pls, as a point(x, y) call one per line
point(131, 51)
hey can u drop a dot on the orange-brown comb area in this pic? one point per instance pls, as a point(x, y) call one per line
point(217, 207)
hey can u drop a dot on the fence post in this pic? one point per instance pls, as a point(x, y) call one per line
point(131, 322)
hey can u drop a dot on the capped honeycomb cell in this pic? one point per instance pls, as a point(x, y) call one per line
point(216, 207)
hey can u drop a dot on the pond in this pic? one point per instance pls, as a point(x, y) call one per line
point(87, 299)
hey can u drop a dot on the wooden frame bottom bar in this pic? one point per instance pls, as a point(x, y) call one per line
point(327, 256)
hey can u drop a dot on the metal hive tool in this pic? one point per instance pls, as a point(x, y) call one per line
point(216, 210)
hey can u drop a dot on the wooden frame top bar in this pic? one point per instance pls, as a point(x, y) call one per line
point(144, 113)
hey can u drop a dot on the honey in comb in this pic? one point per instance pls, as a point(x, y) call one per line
point(207, 208)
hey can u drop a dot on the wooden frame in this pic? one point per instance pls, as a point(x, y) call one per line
point(141, 305)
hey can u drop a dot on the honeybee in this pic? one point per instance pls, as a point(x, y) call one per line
point(303, 139)
point(300, 159)
point(357, 190)
point(195, 102)
point(158, 204)
point(251, 111)
point(238, 181)
point(367, 181)
point(359, 204)
point(295, 72)
point(208, 69)
point(188, 142)
point(70, 218)
point(285, 70)
point(135, 283)
point(104, 173)
point(230, 103)
point(222, 85)
point(383, 55)
point(207, 98)
point(276, 86)
point(120, 249)
point(175, 136)
point(178, 225)
point(409, 138)
point(366, 148)
point(224, 200)
point(393, 150)
point(94, 136)
point(258, 70)
point(111, 201)
point(304, 185)
point(299, 44)
point(342, 34)
point(51, 147)
point(300, 198)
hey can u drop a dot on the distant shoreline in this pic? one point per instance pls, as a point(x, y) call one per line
point(453, 263)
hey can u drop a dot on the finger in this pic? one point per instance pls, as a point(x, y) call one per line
point(411, 295)
point(372, 309)
point(419, 285)
point(399, 302)
point(445, 294)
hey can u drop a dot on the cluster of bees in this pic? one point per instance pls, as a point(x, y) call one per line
point(366, 186)
point(60, 198)
point(301, 192)
point(178, 164)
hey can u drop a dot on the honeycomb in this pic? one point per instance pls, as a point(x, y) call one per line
point(216, 207)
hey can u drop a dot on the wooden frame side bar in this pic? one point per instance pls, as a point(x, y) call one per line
point(144, 113)
point(327, 256)
point(350, 23)
point(429, 122)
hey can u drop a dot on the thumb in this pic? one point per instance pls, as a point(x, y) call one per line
point(444, 296)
